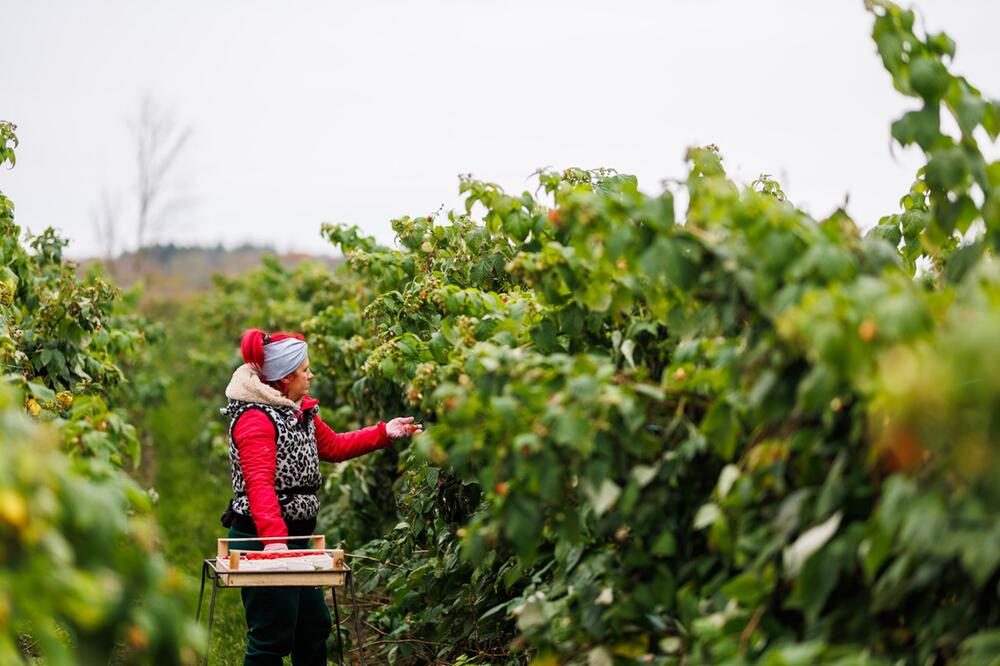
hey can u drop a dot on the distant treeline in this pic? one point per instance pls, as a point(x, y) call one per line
point(171, 271)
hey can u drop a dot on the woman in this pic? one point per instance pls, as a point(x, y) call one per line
point(276, 440)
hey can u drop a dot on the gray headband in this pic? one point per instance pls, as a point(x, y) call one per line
point(281, 358)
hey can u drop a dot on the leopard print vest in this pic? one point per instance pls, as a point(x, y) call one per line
point(296, 464)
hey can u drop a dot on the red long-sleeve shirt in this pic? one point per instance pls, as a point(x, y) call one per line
point(255, 440)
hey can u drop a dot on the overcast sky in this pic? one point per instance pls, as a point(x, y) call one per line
point(312, 112)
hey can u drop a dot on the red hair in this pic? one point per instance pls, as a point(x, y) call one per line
point(253, 341)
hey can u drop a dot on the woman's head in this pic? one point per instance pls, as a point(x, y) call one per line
point(281, 359)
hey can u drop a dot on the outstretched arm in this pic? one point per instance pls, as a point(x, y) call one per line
point(335, 447)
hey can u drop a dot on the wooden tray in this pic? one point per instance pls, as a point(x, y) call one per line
point(227, 566)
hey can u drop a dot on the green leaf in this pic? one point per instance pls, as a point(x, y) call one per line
point(517, 225)
point(749, 588)
point(980, 553)
point(664, 260)
point(42, 392)
point(969, 112)
point(570, 429)
point(799, 654)
point(568, 553)
point(721, 427)
point(922, 127)
point(929, 78)
point(522, 524)
point(947, 169)
point(991, 120)
point(962, 260)
point(887, 232)
point(980, 649)
point(926, 519)
point(814, 584)
point(54, 360)
point(544, 336)
point(665, 545)
point(874, 551)
point(817, 388)
point(942, 44)
point(571, 319)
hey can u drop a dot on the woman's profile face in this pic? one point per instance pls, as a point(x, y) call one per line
point(297, 383)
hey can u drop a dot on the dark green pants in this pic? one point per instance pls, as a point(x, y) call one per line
point(284, 620)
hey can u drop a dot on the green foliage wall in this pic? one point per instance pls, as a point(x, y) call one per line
point(724, 435)
point(81, 580)
point(733, 436)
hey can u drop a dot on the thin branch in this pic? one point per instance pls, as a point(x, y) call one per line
point(373, 559)
point(749, 629)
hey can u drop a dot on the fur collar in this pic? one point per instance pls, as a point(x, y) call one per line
point(246, 386)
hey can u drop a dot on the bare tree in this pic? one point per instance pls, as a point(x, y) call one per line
point(159, 141)
point(105, 219)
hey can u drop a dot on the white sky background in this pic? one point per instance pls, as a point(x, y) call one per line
point(305, 112)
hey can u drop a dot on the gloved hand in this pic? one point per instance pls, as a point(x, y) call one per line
point(275, 546)
point(402, 426)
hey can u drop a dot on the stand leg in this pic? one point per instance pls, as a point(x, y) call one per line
point(201, 594)
point(211, 618)
point(336, 626)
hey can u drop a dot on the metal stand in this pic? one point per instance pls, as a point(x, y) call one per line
point(209, 572)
